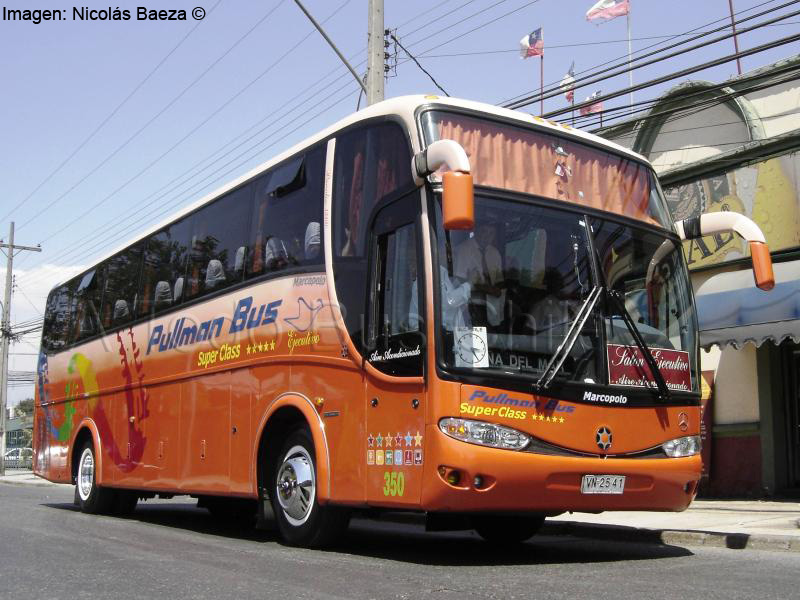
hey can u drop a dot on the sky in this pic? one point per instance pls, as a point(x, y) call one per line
point(108, 127)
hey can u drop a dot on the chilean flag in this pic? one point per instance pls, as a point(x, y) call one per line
point(608, 9)
point(532, 45)
point(595, 107)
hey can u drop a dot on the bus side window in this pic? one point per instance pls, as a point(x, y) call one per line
point(287, 214)
point(121, 285)
point(394, 323)
point(219, 230)
point(88, 295)
point(371, 164)
point(56, 320)
point(163, 267)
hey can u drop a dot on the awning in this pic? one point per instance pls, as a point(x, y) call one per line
point(732, 310)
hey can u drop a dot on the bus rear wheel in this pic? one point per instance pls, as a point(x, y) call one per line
point(92, 498)
point(301, 520)
point(507, 529)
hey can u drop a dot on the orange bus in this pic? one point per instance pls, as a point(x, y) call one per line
point(435, 305)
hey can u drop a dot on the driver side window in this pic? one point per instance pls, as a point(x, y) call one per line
point(396, 309)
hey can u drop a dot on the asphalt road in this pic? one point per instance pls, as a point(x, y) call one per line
point(171, 549)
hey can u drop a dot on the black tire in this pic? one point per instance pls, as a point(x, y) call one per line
point(507, 529)
point(125, 502)
point(301, 520)
point(92, 498)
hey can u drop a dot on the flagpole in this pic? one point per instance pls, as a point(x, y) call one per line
point(541, 85)
point(630, 72)
point(735, 39)
point(573, 109)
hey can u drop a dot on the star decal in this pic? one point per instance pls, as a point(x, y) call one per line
point(389, 440)
point(248, 349)
point(370, 441)
point(408, 438)
point(379, 440)
point(418, 439)
point(541, 417)
point(398, 440)
point(561, 419)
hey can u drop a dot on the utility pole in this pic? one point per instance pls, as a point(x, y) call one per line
point(375, 52)
point(5, 339)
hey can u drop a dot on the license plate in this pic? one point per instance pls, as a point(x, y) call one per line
point(602, 484)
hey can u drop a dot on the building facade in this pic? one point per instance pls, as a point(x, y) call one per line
point(735, 146)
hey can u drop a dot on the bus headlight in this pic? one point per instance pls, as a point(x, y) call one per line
point(484, 434)
point(685, 446)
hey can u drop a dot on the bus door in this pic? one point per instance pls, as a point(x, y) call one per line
point(395, 349)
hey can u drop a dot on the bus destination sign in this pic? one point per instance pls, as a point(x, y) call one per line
point(627, 366)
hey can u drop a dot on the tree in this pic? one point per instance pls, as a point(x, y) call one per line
point(24, 408)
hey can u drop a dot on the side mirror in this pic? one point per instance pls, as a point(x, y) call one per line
point(762, 266)
point(720, 222)
point(458, 202)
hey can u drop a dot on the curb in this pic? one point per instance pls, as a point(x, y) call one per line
point(28, 479)
point(672, 537)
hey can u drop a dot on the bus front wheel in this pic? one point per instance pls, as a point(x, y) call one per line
point(507, 529)
point(92, 498)
point(301, 520)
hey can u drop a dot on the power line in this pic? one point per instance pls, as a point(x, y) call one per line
point(137, 210)
point(118, 188)
point(153, 118)
point(192, 131)
point(436, 83)
point(576, 44)
point(130, 95)
point(675, 75)
point(621, 69)
point(745, 85)
point(624, 58)
point(298, 126)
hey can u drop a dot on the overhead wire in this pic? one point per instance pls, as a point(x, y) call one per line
point(621, 69)
point(573, 45)
point(744, 86)
point(152, 119)
point(95, 205)
point(251, 136)
point(461, 20)
point(124, 234)
point(110, 115)
point(594, 69)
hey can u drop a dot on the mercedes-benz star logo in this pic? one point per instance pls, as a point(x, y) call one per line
point(683, 421)
point(603, 438)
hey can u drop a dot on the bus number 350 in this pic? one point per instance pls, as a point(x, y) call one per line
point(394, 484)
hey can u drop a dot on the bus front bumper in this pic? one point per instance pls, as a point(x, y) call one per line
point(495, 480)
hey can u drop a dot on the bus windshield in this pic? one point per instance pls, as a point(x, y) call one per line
point(531, 281)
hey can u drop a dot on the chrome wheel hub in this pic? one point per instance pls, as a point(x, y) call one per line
point(86, 474)
point(296, 486)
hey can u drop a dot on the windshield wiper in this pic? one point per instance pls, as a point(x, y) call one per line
point(663, 389)
point(563, 350)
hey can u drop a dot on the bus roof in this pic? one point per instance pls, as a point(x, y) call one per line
point(404, 107)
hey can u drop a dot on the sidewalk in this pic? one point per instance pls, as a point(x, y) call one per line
point(25, 477)
point(735, 524)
